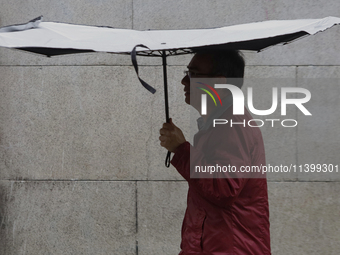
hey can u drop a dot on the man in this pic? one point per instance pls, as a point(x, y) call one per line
point(224, 215)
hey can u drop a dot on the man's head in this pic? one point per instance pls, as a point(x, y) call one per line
point(215, 63)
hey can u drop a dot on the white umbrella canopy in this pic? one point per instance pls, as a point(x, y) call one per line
point(53, 38)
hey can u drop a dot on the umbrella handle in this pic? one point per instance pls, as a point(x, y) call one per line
point(167, 159)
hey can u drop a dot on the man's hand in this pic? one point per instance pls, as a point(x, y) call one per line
point(171, 136)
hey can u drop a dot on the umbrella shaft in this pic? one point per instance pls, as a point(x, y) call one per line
point(166, 101)
point(165, 78)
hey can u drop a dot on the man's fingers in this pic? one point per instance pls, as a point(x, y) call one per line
point(163, 141)
point(168, 126)
point(164, 132)
point(172, 124)
point(162, 138)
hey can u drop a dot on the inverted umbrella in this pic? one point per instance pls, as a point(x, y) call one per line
point(51, 38)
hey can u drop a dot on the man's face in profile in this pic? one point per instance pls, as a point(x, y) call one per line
point(200, 66)
point(199, 78)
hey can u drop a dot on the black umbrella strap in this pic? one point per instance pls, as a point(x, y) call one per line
point(135, 65)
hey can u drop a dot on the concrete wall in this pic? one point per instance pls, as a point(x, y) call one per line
point(81, 169)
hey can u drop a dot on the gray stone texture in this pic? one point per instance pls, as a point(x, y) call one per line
point(67, 217)
point(318, 142)
point(71, 122)
point(161, 208)
point(304, 217)
point(112, 13)
point(81, 169)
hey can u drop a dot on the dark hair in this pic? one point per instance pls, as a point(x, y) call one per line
point(228, 63)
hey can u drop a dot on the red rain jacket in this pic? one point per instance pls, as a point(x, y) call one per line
point(225, 215)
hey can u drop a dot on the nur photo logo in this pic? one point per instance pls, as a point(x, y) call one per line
point(301, 97)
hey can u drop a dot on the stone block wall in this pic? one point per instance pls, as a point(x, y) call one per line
point(81, 169)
